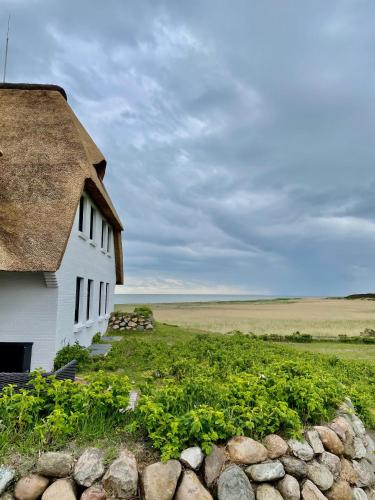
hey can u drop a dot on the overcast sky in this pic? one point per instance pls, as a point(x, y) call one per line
point(239, 135)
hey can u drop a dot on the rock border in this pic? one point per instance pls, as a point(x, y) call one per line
point(335, 461)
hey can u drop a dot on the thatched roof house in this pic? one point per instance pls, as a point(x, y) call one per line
point(48, 163)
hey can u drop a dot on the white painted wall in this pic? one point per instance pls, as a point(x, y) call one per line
point(28, 314)
point(85, 258)
point(31, 311)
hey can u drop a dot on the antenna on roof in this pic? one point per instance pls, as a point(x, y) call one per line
point(6, 52)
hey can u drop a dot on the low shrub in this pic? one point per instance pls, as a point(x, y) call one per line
point(97, 338)
point(70, 352)
point(211, 389)
point(143, 311)
point(53, 411)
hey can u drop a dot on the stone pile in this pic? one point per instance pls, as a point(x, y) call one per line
point(130, 321)
point(335, 461)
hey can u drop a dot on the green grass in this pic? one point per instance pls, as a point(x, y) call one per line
point(135, 356)
point(341, 350)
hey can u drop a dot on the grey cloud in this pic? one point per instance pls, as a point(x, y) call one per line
point(239, 135)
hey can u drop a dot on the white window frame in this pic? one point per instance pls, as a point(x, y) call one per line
point(82, 215)
point(103, 236)
point(92, 223)
point(78, 307)
point(89, 301)
point(100, 303)
point(109, 239)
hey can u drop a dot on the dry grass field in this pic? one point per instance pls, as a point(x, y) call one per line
point(318, 317)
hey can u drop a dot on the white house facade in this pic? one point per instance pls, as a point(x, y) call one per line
point(60, 246)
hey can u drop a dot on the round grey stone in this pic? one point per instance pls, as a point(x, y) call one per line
point(234, 485)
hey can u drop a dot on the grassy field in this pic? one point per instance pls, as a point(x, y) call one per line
point(317, 317)
point(343, 351)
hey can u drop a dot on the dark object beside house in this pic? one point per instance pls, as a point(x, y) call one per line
point(21, 380)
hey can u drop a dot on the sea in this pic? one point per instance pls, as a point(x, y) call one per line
point(166, 298)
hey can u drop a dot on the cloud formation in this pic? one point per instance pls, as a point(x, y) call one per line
point(239, 136)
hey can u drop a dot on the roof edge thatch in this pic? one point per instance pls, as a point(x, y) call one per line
point(34, 86)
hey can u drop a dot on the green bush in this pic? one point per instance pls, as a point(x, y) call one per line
point(143, 311)
point(53, 411)
point(97, 338)
point(211, 389)
point(70, 352)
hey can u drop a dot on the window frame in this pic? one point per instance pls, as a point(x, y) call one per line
point(109, 239)
point(82, 214)
point(101, 286)
point(92, 228)
point(103, 240)
point(89, 297)
point(106, 298)
point(78, 300)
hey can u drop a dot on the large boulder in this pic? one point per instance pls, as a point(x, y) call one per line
point(347, 472)
point(342, 428)
point(332, 462)
point(121, 478)
point(6, 477)
point(89, 467)
point(359, 494)
point(276, 446)
point(192, 457)
point(330, 440)
point(55, 464)
point(311, 492)
point(213, 464)
point(244, 450)
point(30, 487)
point(191, 488)
point(62, 489)
point(365, 473)
point(289, 487)
point(234, 485)
point(312, 437)
point(294, 466)
point(95, 492)
point(339, 491)
point(159, 480)
point(320, 475)
point(301, 449)
point(267, 471)
point(267, 492)
point(354, 448)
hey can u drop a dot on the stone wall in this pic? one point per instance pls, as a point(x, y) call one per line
point(130, 322)
point(334, 461)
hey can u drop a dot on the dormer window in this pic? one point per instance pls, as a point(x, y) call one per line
point(81, 214)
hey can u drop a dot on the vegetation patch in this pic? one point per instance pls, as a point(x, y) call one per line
point(196, 389)
point(52, 412)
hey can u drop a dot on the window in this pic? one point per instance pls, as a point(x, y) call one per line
point(106, 297)
point(79, 292)
point(104, 224)
point(89, 299)
point(109, 239)
point(92, 222)
point(81, 215)
point(101, 286)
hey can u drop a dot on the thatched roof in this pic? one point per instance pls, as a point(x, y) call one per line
point(47, 159)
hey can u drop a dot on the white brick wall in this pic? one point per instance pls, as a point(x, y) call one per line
point(32, 312)
point(86, 259)
point(28, 314)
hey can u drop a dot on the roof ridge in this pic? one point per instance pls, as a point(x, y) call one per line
point(33, 86)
